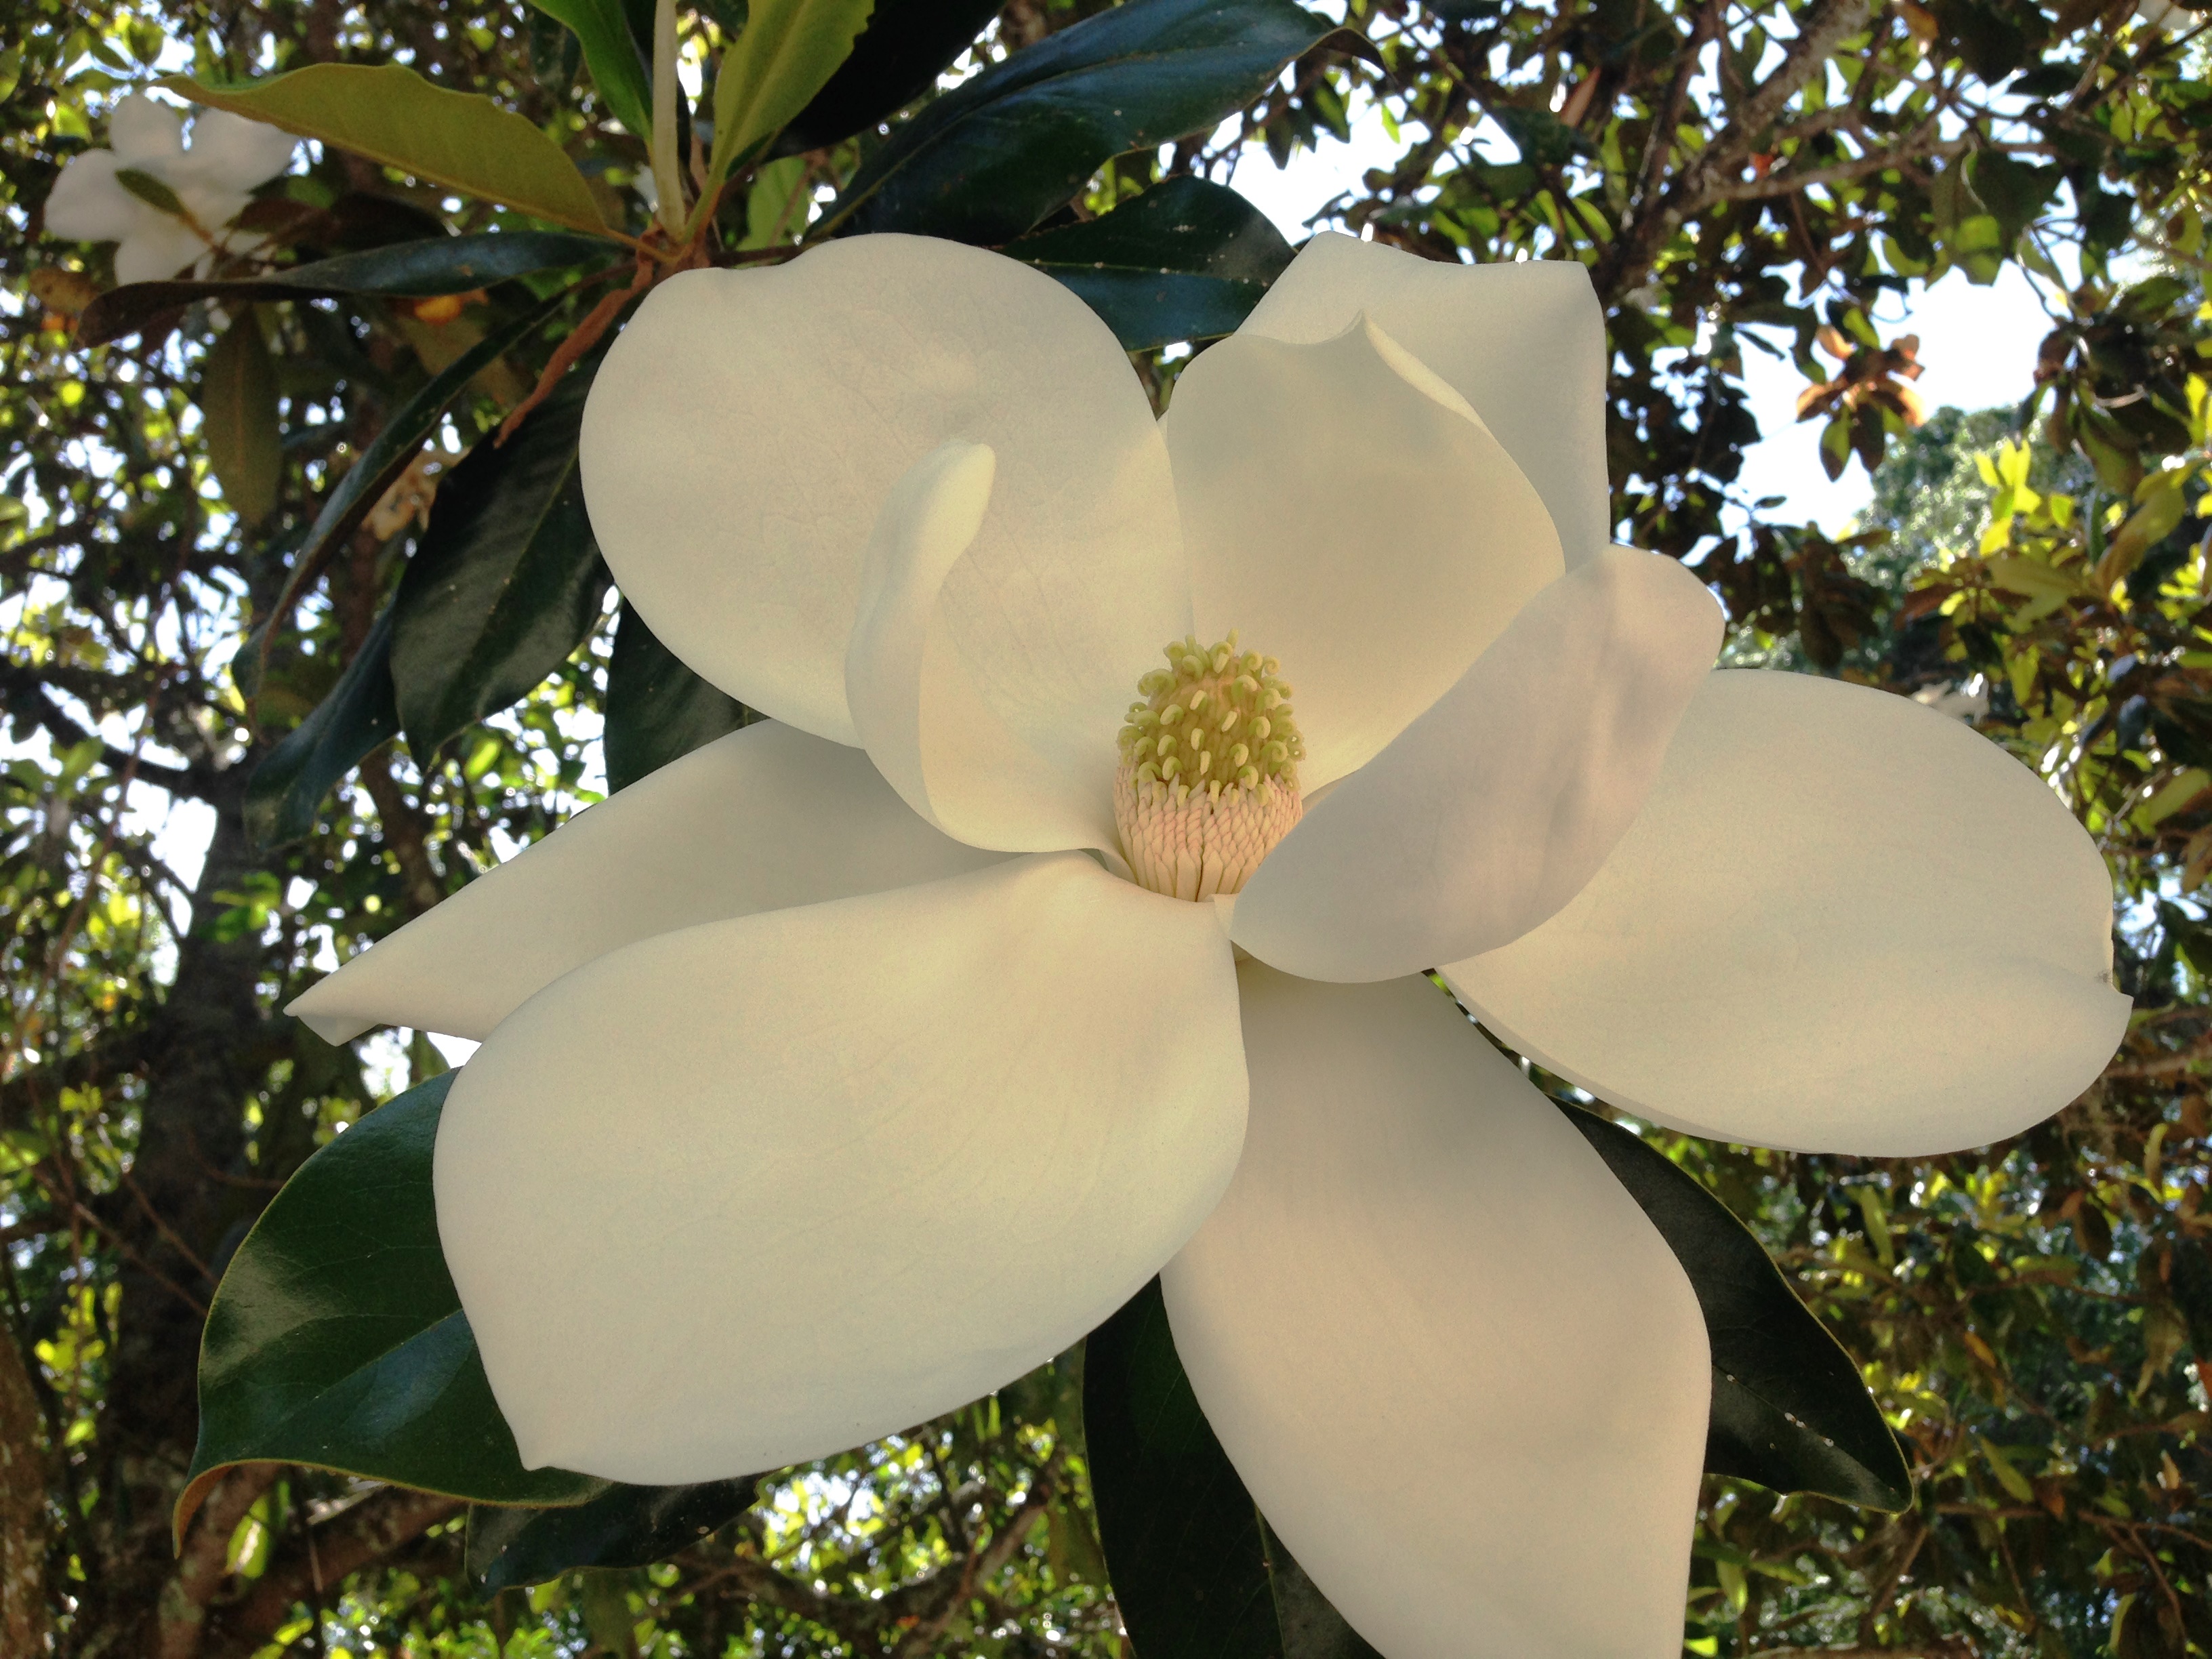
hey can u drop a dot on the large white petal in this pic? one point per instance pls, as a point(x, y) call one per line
point(230, 153)
point(146, 134)
point(158, 247)
point(1345, 511)
point(1492, 810)
point(915, 704)
point(750, 1194)
point(745, 430)
point(86, 204)
point(1843, 923)
point(1424, 1283)
point(761, 819)
point(1523, 342)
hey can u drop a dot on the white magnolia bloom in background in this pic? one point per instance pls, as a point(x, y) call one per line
point(840, 1072)
point(210, 178)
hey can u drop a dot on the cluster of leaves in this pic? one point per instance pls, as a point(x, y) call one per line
point(221, 612)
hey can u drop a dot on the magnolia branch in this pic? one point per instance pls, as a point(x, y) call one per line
point(406, 831)
point(1657, 216)
point(322, 1557)
point(204, 1561)
point(947, 1589)
point(1826, 27)
point(22, 688)
point(1669, 116)
point(1790, 181)
point(918, 1612)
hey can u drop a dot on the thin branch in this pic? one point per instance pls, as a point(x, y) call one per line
point(204, 1562)
point(1791, 182)
point(365, 1534)
point(1827, 27)
point(84, 1212)
point(21, 687)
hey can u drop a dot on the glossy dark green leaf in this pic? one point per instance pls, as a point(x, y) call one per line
point(991, 158)
point(389, 453)
point(1195, 1572)
point(1789, 1408)
point(907, 44)
point(625, 1527)
point(658, 710)
point(336, 1340)
point(238, 418)
point(432, 265)
point(1186, 261)
point(288, 786)
point(359, 712)
point(506, 581)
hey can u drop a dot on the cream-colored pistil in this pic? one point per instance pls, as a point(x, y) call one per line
point(1209, 776)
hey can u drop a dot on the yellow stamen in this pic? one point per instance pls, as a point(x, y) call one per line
point(1209, 779)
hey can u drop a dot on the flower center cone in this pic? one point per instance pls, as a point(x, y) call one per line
point(1208, 781)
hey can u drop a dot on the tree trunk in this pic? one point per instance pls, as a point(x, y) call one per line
point(209, 1054)
point(23, 1613)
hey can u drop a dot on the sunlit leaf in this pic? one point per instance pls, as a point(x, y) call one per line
point(907, 44)
point(389, 113)
point(618, 69)
point(786, 54)
point(238, 411)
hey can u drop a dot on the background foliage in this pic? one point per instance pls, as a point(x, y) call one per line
point(185, 604)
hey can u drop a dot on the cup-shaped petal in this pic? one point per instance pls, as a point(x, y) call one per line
point(1522, 341)
point(1491, 809)
point(763, 819)
point(1842, 923)
point(1346, 510)
point(744, 431)
point(914, 701)
point(1424, 1281)
point(753, 1191)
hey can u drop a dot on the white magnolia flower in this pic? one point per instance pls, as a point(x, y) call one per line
point(210, 179)
point(839, 1072)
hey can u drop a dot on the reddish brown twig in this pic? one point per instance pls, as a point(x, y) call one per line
point(586, 335)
